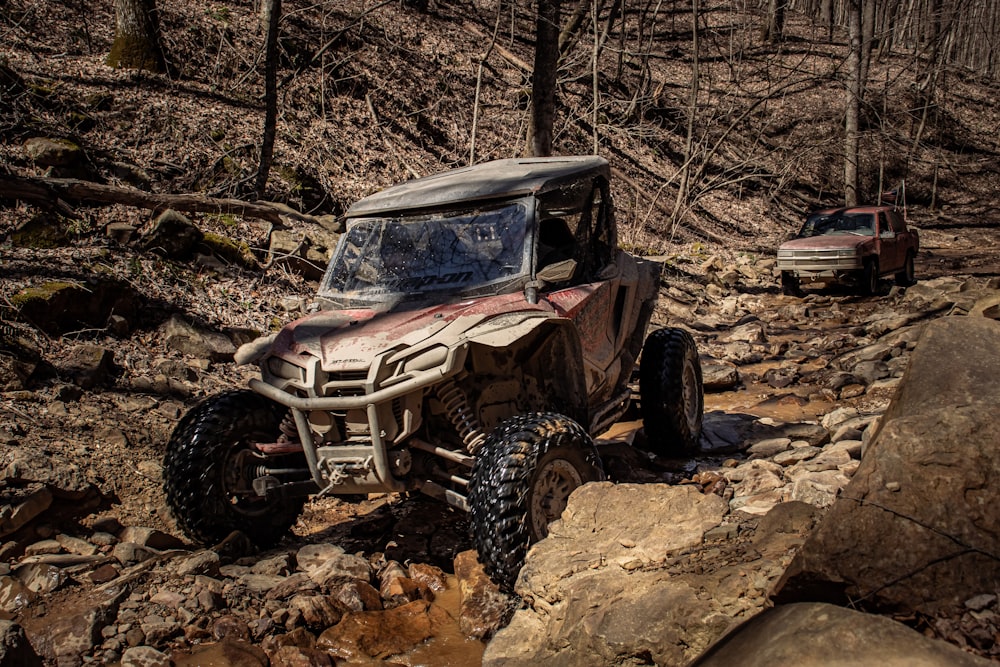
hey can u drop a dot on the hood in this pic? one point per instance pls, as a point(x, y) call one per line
point(351, 339)
point(830, 242)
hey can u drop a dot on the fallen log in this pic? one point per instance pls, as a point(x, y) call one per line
point(56, 192)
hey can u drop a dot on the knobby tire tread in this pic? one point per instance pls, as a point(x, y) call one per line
point(661, 369)
point(193, 463)
point(499, 489)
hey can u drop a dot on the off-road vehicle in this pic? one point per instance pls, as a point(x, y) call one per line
point(856, 245)
point(474, 331)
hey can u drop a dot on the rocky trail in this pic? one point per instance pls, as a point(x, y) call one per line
point(114, 322)
point(94, 571)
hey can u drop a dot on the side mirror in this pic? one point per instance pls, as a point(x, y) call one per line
point(608, 272)
point(887, 234)
point(558, 272)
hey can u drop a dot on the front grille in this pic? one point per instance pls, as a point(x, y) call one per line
point(345, 383)
point(818, 260)
point(359, 375)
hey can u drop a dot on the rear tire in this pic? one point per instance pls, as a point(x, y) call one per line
point(671, 394)
point(521, 479)
point(907, 276)
point(202, 470)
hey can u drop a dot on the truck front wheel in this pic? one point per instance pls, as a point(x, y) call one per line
point(870, 277)
point(790, 284)
point(521, 480)
point(208, 467)
point(671, 397)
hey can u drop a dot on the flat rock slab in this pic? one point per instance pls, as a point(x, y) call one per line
point(598, 588)
point(819, 635)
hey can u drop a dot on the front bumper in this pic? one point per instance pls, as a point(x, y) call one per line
point(358, 464)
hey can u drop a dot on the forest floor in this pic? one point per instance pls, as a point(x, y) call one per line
point(395, 99)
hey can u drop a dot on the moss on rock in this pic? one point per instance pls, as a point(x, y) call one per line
point(226, 249)
point(39, 232)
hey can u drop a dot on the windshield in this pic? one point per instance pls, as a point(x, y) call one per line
point(820, 224)
point(463, 252)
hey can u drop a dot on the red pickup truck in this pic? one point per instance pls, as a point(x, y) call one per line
point(855, 245)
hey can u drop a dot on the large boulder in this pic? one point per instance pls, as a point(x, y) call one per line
point(172, 235)
point(53, 152)
point(916, 530)
point(77, 630)
point(187, 338)
point(818, 635)
point(618, 577)
point(304, 253)
point(15, 650)
point(58, 307)
point(21, 362)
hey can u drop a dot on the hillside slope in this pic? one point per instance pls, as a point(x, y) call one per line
point(371, 94)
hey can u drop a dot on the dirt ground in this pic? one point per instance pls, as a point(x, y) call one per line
point(391, 101)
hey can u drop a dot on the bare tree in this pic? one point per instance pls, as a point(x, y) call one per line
point(775, 26)
point(137, 44)
point(273, 14)
point(543, 79)
point(868, 12)
point(853, 74)
point(826, 18)
point(684, 183)
point(571, 30)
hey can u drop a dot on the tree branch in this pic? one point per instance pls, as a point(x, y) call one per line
point(54, 192)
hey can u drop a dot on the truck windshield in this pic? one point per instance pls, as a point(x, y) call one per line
point(859, 224)
point(462, 252)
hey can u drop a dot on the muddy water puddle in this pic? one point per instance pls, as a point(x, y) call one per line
point(760, 400)
point(448, 648)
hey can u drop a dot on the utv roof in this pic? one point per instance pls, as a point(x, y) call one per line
point(489, 180)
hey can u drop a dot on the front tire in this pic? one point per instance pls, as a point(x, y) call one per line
point(672, 399)
point(790, 284)
point(870, 277)
point(521, 480)
point(205, 470)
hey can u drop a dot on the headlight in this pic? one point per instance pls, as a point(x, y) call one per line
point(429, 358)
point(280, 368)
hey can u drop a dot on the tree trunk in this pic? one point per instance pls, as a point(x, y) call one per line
point(137, 44)
point(685, 176)
point(826, 16)
point(273, 12)
point(867, 40)
point(853, 103)
point(775, 27)
point(543, 79)
point(571, 30)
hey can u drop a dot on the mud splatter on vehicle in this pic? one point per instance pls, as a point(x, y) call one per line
point(473, 332)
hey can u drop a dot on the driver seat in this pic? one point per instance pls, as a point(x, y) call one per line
point(555, 242)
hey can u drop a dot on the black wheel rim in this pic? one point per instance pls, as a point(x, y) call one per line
point(690, 394)
point(555, 480)
point(235, 481)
